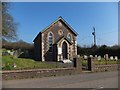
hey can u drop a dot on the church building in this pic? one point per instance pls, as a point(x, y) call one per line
point(56, 42)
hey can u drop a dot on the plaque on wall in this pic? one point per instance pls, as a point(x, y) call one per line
point(59, 50)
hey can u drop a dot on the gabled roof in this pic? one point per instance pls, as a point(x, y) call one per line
point(59, 18)
point(62, 39)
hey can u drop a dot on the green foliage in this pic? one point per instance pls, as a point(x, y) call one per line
point(7, 67)
point(24, 49)
point(8, 63)
point(17, 45)
point(99, 50)
point(84, 63)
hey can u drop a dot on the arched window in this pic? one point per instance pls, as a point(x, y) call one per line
point(50, 41)
point(69, 37)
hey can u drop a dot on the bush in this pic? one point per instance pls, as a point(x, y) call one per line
point(8, 67)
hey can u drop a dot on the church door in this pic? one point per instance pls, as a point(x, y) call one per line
point(64, 50)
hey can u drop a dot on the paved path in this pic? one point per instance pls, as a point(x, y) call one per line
point(86, 80)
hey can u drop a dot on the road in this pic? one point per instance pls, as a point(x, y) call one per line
point(85, 80)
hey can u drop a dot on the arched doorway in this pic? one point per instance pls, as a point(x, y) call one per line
point(64, 50)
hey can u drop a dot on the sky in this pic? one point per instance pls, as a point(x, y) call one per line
point(33, 17)
point(119, 24)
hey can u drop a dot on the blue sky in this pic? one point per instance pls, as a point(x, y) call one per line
point(82, 16)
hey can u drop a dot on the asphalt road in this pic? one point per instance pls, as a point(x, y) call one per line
point(86, 80)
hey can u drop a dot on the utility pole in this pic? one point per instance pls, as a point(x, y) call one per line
point(93, 33)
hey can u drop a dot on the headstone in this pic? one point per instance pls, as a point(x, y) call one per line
point(8, 51)
point(11, 53)
point(14, 65)
point(99, 58)
point(95, 56)
point(78, 56)
point(111, 58)
point(116, 58)
point(85, 57)
point(15, 53)
point(91, 56)
point(106, 57)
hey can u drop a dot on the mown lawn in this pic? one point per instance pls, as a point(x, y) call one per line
point(21, 63)
point(101, 62)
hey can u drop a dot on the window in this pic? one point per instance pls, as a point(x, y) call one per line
point(50, 40)
point(60, 32)
point(69, 37)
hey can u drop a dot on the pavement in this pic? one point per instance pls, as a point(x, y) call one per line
point(85, 80)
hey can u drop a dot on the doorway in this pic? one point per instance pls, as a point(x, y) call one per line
point(64, 50)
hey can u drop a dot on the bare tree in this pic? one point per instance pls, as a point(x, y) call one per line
point(9, 27)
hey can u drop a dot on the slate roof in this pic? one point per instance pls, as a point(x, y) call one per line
point(59, 18)
point(62, 39)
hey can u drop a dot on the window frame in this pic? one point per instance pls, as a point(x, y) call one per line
point(69, 37)
point(50, 42)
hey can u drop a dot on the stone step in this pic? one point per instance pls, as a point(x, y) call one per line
point(67, 61)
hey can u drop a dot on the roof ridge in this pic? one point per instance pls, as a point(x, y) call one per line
point(59, 18)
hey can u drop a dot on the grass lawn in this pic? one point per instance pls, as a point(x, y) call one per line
point(102, 62)
point(21, 63)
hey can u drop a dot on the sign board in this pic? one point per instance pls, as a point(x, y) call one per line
point(59, 50)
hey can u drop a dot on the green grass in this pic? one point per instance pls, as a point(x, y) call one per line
point(101, 62)
point(104, 62)
point(8, 62)
point(84, 63)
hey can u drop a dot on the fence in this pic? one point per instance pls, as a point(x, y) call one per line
point(35, 73)
point(98, 68)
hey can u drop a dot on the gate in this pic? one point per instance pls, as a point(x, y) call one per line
point(87, 64)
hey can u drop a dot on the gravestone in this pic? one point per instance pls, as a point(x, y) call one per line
point(8, 51)
point(91, 56)
point(106, 57)
point(85, 57)
point(111, 58)
point(12, 53)
point(14, 65)
point(15, 54)
point(116, 58)
point(99, 58)
point(95, 56)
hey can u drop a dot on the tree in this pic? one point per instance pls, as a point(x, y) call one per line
point(8, 25)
